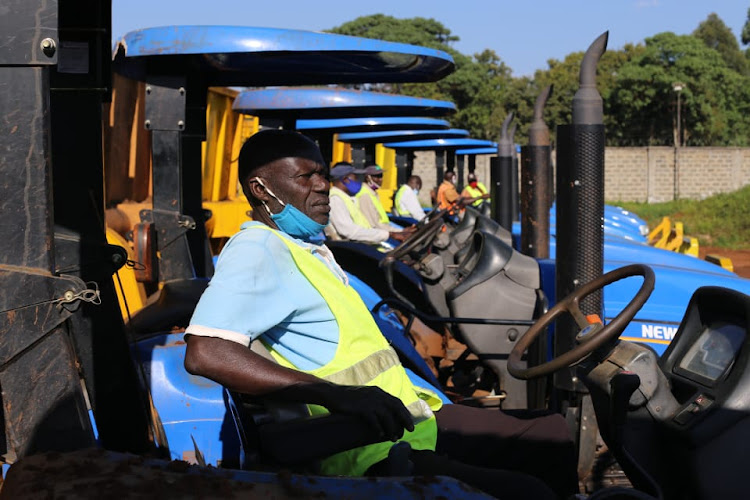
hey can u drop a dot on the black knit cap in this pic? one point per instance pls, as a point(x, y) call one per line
point(272, 144)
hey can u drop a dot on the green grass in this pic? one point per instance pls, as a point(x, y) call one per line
point(720, 221)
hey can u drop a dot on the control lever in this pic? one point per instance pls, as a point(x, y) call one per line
point(622, 386)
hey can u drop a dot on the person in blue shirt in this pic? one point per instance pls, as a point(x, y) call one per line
point(259, 292)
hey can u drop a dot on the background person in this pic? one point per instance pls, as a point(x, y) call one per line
point(347, 221)
point(406, 203)
point(475, 189)
point(447, 193)
point(369, 201)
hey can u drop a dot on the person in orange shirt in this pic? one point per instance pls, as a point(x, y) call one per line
point(447, 193)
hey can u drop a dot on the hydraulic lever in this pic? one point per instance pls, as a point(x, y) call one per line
point(622, 386)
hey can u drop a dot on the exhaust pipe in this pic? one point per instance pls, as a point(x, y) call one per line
point(515, 209)
point(536, 186)
point(501, 177)
point(580, 204)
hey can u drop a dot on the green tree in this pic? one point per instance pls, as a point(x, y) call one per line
point(746, 30)
point(415, 31)
point(745, 36)
point(717, 35)
point(714, 98)
point(477, 87)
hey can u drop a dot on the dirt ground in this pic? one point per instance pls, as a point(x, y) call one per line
point(740, 258)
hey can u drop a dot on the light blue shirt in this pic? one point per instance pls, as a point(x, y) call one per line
point(258, 291)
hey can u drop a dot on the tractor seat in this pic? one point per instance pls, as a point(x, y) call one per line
point(485, 256)
point(487, 225)
point(170, 307)
point(464, 228)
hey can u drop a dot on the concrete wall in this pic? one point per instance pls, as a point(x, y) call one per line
point(652, 174)
point(663, 173)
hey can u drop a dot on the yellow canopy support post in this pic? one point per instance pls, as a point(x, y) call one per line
point(386, 158)
point(226, 132)
point(221, 123)
point(342, 151)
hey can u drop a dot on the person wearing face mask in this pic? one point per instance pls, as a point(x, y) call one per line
point(447, 193)
point(406, 203)
point(273, 284)
point(368, 200)
point(347, 220)
point(475, 190)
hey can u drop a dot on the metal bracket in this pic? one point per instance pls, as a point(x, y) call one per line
point(169, 225)
point(175, 261)
point(165, 103)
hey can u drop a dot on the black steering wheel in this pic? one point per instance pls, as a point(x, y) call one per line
point(424, 233)
point(592, 335)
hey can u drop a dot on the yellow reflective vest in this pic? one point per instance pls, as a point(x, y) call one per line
point(367, 191)
point(357, 216)
point(397, 201)
point(363, 357)
point(475, 193)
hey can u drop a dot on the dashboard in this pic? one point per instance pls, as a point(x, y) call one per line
point(713, 353)
point(707, 363)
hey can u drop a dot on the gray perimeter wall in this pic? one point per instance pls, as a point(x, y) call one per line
point(652, 174)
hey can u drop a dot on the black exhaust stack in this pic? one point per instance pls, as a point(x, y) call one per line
point(439, 167)
point(514, 189)
point(580, 204)
point(501, 178)
point(536, 189)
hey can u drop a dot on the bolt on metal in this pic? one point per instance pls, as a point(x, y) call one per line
point(49, 47)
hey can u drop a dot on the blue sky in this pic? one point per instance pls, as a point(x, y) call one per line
point(525, 33)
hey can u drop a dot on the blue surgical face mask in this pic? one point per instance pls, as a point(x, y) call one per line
point(352, 186)
point(291, 220)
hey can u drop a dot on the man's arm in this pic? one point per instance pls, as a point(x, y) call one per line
point(239, 369)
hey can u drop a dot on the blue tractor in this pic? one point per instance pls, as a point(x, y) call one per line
point(74, 376)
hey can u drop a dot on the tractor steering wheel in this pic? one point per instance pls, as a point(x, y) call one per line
point(592, 335)
point(424, 232)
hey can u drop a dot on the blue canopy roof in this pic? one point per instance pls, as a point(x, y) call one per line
point(477, 151)
point(238, 55)
point(435, 144)
point(372, 123)
point(297, 103)
point(401, 135)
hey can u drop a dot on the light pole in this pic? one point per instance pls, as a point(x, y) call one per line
point(677, 87)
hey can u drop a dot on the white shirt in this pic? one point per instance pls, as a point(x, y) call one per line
point(410, 203)
point(345, 227)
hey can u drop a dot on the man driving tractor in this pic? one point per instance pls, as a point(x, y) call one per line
point(273, 285)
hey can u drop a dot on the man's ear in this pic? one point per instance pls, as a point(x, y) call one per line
point(254, 189)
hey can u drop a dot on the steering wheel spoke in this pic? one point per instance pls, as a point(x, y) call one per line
point(574, 309)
